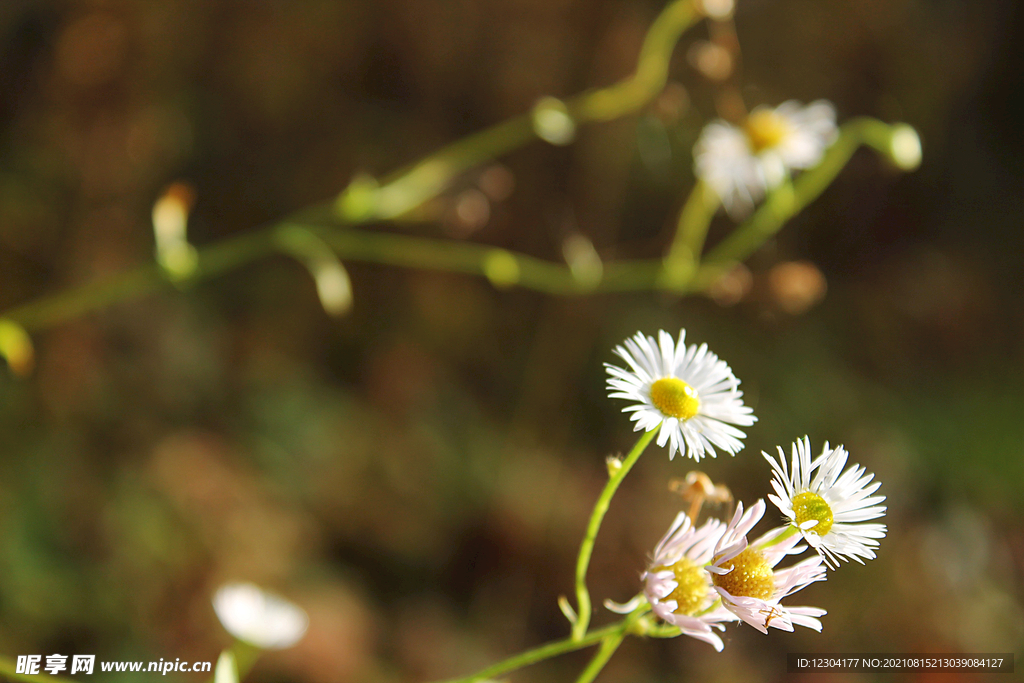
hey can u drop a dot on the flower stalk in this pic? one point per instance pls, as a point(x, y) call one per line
point(579, 628)
point(547, 651)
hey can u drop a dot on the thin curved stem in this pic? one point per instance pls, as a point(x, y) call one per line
point(608, 647)
point(462, 257)
point(596, 517)
point(246, 657)
point(651, 72)
point(611, 643)
point(691, 231)
point(407, 188)
point(70, 304)
point(791, 198)
point(400, 192)
point(543, 652)
point(694, 220)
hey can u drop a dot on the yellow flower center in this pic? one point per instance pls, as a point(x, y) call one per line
point(808, 506)
point(751, 577)
point(675, 398)
point(765, 129)
point(691, 589)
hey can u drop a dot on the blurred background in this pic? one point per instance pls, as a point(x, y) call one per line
point(418, 474)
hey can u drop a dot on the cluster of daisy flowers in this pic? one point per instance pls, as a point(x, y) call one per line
point(702, 577)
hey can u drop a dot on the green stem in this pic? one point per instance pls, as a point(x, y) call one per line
point(463, 257)
point(408, 188)
point(547, 651)
point(74, 303)
point(694, 220)
point(608, 647)
point(611, 643)
point(371, 247)
point(691, 231)
point(651, 72)
point(246, 656)
point(596, 517)
point(790, 198)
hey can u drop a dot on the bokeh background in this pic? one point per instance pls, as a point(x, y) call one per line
point(418, 473)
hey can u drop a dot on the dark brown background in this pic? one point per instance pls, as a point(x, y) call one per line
point(418, 474)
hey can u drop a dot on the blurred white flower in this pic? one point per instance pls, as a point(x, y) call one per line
point(685, 390)
point(745, 577)
point(741, 163)
point(830, 509)
point(259, 618)
point(677, 585)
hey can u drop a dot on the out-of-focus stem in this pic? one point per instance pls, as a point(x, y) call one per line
point(504, 268)
point(245, 656)
point(651, 71)
point(407, 188)
point(789, 199)
point(366, 200)
point(691, 231)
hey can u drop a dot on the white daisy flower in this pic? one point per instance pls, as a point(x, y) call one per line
point(745, 577)
point(830, 509)
point(677, 585)
point(741, 163)
point(259, 618)
point(686, 390)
